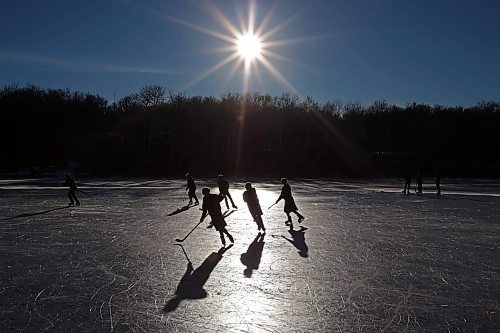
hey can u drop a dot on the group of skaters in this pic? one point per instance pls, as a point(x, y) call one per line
point(212, 204)
point(418, 186)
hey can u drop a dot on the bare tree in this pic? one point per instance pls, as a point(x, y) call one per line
point(151, 95)
point(177, 99)
point(127, 103)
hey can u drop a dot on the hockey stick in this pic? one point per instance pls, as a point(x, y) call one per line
point(182, 247)
point(182, 240)
point(272, 205)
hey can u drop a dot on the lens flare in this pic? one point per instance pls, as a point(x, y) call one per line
point(249, 46)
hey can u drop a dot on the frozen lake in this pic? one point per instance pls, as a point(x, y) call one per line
point(367, 258)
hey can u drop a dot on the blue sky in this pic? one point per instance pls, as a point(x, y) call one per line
point(434, 52)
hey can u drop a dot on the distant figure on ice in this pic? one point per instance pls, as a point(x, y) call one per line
point(224, 190)
point(290, 207)
point(419, 183)
point(407, 182)
point(438, 182)
point(72, 190)
point(250, 197)
point(191, 188)
point(211, 205)
point(252, 257)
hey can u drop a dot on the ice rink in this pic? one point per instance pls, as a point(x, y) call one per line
point(366, 258)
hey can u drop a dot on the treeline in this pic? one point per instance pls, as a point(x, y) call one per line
point(157, 133)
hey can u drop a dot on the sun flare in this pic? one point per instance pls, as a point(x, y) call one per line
point(249, 46)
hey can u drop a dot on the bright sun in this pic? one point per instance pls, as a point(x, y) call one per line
point(249, 46)
point(248, 43)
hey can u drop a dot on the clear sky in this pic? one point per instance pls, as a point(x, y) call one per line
point(424, 51)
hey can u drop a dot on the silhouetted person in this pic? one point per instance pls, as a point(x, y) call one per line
point(192, 282)
point(299, 240)
point(290, 207)
point(191, 188)
point(251, 258)
point(419, 183)
point(211, 206)
point(72, 190)
point(438, 182)
point(250, 197)
point(224, 190)
point(407, 182)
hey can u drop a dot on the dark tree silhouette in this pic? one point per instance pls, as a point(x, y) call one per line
point(255, 134)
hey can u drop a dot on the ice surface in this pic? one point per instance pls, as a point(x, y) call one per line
point(367, 258)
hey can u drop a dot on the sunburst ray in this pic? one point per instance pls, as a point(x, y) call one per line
point(276, 73)
point(213, 69)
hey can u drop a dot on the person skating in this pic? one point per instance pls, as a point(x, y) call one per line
point(191, 188)
point(224, 190)
point(72, 190)
point(250, 197)
point(438, 182)
point(211, 206)
point(290, 207)
point(407, 182)
point(419, 183)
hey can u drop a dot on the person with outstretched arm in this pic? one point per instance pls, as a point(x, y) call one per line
point(290, 207)
point(211, 206)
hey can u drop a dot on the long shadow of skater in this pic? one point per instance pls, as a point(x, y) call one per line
point(33, 214)
point(251, 258)
point(180, 210)
point(298, 240)
point(191, 284)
